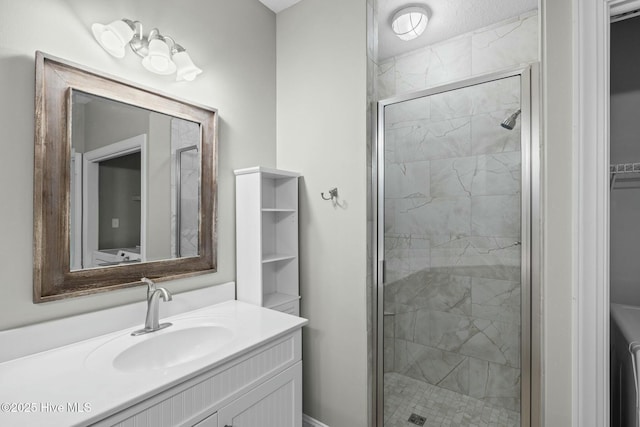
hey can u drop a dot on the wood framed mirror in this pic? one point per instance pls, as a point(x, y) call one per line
point(124, 183)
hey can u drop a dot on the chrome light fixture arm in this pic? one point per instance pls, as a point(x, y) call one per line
point(139, 44)
point(167, 56)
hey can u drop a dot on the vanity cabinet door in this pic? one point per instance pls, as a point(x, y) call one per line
point(210, 421)
point(276, 403)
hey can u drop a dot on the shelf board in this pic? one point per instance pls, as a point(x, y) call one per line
point(268, 172)
point(276, 257)
point(277, 210)
point(277, 298)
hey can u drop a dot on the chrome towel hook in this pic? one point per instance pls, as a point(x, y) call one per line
point(333, 193)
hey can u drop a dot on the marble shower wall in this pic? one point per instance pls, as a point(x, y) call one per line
point(185, 134)
point(504, 45)
point(452, 206)
point(452, 298)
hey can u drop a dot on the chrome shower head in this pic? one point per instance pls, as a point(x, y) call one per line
point(510, 122)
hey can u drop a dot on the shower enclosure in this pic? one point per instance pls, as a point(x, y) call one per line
point(453, 249)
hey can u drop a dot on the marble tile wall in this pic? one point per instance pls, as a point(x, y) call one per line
point(452, 226)
point(452, 184)
point(184, 134)
point(507, 44)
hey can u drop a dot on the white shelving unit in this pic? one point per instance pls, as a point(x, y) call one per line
point(267, 238)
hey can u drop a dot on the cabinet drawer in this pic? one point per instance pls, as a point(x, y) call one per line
point(292, 307)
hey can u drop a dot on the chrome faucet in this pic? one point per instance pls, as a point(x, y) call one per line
point(154, 294)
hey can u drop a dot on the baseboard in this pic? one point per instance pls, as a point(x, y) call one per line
point(307, 421)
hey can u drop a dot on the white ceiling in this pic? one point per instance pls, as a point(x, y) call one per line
point(447, 19)
point(278, 5)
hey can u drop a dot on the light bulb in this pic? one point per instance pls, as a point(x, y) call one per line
point(186, 68)
point(113, 37)
point(158, 60)
point(160, 63)
point(410, 22)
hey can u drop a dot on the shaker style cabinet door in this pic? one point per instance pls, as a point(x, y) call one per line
point(276, 403)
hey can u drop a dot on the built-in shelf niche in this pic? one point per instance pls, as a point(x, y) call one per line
point(279, 235)
point(279, 192)
point(267, 238)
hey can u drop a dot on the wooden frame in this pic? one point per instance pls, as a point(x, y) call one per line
point(52, 277)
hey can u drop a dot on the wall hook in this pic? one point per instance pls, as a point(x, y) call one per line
point(333, 193)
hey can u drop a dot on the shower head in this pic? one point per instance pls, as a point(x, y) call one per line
point(510, 122)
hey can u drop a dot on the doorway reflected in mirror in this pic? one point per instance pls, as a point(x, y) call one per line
point(135, 187)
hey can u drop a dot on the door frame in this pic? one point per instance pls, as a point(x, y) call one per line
point(591, 208)
point(90, 194)
point(531, 356)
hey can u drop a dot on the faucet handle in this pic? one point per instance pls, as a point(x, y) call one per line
point(151, 286)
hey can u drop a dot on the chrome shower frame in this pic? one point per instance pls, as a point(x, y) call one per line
point(178, 200)
point(531, 347)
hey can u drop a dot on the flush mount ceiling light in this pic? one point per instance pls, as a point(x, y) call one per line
point(410, 22)
point(160, 54)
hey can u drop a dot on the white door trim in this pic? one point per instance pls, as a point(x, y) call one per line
point(591, 208)
point(91, 161)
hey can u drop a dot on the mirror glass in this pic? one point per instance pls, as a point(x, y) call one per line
point(134, 184)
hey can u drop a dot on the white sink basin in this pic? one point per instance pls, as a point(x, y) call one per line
point(183, 342)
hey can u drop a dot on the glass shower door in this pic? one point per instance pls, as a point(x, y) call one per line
point(452, 233)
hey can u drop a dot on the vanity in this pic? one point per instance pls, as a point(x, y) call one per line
point(227, 364)
point(125, 192)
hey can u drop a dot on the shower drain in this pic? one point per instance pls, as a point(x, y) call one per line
point(417, 419)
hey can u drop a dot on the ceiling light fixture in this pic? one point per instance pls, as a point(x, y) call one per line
point(410, 22)
point(160, 54)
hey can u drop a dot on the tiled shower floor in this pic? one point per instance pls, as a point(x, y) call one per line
point(404, 396)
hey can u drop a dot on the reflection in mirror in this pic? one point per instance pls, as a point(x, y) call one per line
point(124, 184)
point(185, 223)
point(135, 182)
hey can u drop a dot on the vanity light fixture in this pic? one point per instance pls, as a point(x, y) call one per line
point(160, 54)
point(410, 22)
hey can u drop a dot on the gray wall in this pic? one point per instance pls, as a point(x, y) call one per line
point(556, 304)
point(625, 148)
point(322, 98)
point(105, 124)
point(158, 217)
point(119, 183)
point(238, 79)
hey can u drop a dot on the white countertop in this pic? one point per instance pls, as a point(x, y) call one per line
point(50, 383)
